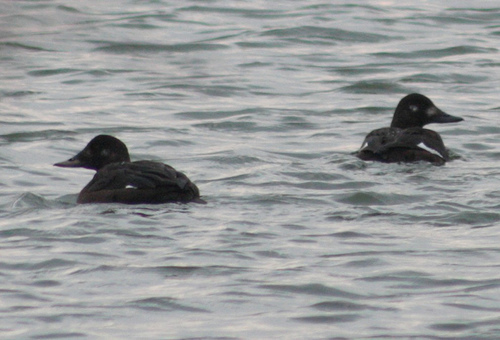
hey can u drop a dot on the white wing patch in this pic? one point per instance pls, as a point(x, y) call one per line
point(428, 149)
point(130, 187)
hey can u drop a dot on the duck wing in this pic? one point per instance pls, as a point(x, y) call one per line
point(403, 145)
point(379, 138)
point(138, 182)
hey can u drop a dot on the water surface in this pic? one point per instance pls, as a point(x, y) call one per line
point(262, 105)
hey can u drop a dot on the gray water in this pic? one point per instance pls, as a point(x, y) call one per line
point(261, 104)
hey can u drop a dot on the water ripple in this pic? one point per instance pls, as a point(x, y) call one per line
point(263, 105)
point(137, 48)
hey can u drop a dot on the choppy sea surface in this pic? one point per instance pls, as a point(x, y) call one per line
point(261, 104)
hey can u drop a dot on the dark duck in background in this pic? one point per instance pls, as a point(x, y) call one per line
point(406, 140)
point(118, 180)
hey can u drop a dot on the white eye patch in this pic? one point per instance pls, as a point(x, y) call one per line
point(413, 108)
point(432, 111)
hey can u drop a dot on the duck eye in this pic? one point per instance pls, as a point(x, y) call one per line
point(105, 153)
point(413, 108)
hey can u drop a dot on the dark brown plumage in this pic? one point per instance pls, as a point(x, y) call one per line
point(118, 180)
point(406, 140)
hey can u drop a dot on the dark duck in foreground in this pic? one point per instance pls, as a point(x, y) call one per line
point(118, 180)
point(406, 140)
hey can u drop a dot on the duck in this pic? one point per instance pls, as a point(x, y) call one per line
point(406, 140)
point(118, 180)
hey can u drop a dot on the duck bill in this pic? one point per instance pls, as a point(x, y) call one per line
point(442, 117)
point(70, 163)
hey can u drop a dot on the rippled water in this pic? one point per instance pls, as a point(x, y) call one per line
point(261, 104)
